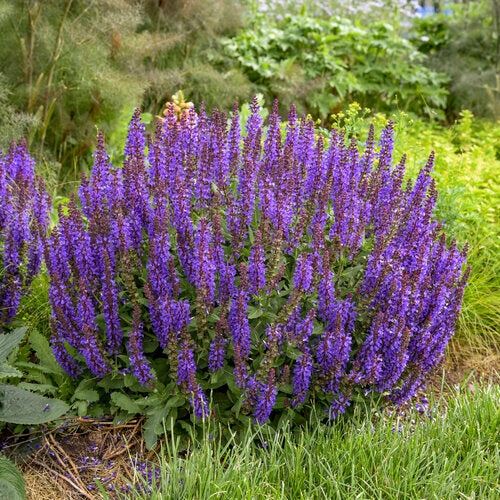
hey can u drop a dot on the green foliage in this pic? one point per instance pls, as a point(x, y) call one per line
point(323, 64)
point(13, 124)
point(12, 485)
point(34, 309)
point(10, 341)
point(18, 405)
point(41, 372)
point(192, 30)
point(466, 46)
point(448, 453)
point(69, 67)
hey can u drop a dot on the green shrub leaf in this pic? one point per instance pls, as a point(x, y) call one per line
point(42, 349)
point(19, 406)
point(153, 426)
point(124, 402)
point(12, 485)
point(9, 341)
point(9, 371)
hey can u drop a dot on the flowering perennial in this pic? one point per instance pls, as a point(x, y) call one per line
point(24, 215)
point(282, 263)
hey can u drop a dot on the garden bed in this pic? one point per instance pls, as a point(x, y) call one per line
point(62, 463)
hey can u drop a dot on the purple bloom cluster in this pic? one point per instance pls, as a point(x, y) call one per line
point(252, 250)
point(24, 217)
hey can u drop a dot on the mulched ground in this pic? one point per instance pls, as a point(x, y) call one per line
point(62, 463)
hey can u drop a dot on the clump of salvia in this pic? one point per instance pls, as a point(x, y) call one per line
point(295, 265)
point(24, 216)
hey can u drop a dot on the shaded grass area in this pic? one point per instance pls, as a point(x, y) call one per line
point(449, 451)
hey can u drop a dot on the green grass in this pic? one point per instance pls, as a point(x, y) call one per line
point(451, 456)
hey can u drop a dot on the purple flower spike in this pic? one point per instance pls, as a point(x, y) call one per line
point(24, 217)
point(266, 398)
point(138, 362)
point(240, 251)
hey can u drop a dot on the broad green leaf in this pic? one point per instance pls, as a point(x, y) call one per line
point(82, 408)
point(12, 485)
point(30, 367)
point(125, 403)
point(9, 371)
point(153, 426)
point(10, 340)
point(111, 382)
point(41, 388)
point(19, 406)
point(89, 395)
point(175, 401)
point(254, 312)
point(134, 385)
point(42, 349)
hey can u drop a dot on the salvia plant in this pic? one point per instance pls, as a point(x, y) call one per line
point(24, 217)
point(253, 273)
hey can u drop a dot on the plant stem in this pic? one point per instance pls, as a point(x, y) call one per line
point(33, 18)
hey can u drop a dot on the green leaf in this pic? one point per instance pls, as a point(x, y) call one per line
point(9, 371)
point(43, 352)
point(153, 428)
point(150, 346)
point(89, 395)
point(293, 352)
point(175, 401)
point(134, 385)
point(237, 407)
point(41, 388)
point(19, 406)
point(84, 389)
point(9, 341)
point(111, 382)
point(12, 485)
point(254, 312)
point(171, 420)
point(36, 367)
point(124, 402)
point(82, 408)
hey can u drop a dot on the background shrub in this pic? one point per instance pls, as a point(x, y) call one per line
point(271, 269)
point(464, 43)
point(322, 64)
point(69, 66)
